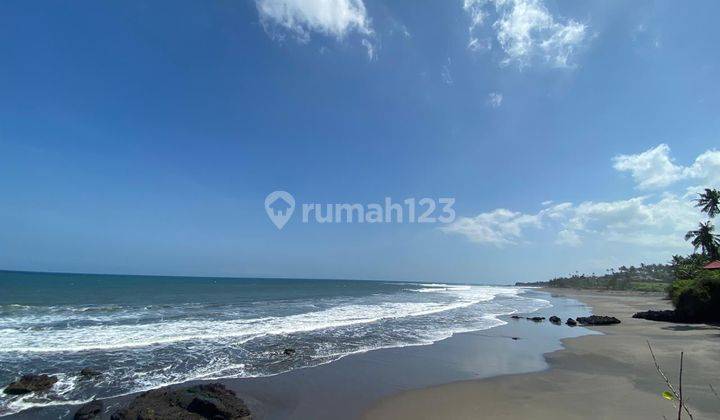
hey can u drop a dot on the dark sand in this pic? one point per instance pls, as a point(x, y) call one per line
point(344, 389)
point(609, 376)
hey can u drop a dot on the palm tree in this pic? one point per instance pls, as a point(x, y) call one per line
point(705, 239)
point(709, 202)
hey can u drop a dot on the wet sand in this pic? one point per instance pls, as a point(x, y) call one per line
point(608, 376)
point(344, 389)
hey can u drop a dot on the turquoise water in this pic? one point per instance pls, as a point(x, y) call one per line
point(144, 332)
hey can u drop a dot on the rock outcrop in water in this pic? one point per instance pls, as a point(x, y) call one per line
point(210, 401)
point(537, 318)
point(89, 373)
point(571, 322)
point(555, 320)
point(89, 411)
point(598, 320)
point(289, 352)
point(31, 383)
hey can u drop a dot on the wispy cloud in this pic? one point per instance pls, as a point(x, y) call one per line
point(495, 99)
point(370, 49)
point(499, 227)
point(301, 18)
point(527, 31)
point(445, 73)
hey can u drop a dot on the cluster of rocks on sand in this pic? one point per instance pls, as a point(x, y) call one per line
point(582, 320)
point(208, 401)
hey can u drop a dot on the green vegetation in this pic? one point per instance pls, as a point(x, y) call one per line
point(688, 267)
point(647, 278)
point(705, 239)
point(697, 299)
point(652, 277)
point(709, 202)
point(694, 291)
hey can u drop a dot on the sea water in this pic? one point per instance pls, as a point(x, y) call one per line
point(144, 332)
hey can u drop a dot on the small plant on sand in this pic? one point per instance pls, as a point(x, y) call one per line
point(672, 394)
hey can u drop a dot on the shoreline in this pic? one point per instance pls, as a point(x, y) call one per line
point(521, 369)
point(605, 376)
point(346, 387)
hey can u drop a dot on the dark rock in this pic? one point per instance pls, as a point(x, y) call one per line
point(537, 318)
point(555, 320)
point(89, 411)
point(571, 322)
point(515, 338)
point(210, 401)
point(89, 373)
point(663, 316)
point(31, 383)
point(515, 317)
point(597, 320)
point(289, 352)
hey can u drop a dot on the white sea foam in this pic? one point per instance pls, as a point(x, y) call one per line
point(105, 337)
point(220, 346)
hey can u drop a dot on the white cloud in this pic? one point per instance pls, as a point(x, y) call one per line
point(650, 169)
point(495, 99)
point(477, 44)
point(653, 224)
point(445, 73)
point(654, 168)
point(706, 168)
point(527, 31)
point(638, 220)
point(399, 28)
point(475, 9)
point(370, 49)
point(334, 18)
point(499, 227)
point(568, 237)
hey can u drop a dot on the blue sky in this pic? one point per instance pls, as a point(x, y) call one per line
point(143, 137)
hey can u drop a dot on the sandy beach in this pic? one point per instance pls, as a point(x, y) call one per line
point(520, 370)
point(607, 376)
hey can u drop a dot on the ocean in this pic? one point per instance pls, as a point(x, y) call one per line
point(144, 332)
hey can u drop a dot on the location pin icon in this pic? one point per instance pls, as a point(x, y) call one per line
point(279, 206)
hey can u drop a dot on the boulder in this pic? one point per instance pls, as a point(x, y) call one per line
point(663, 316)
point(210, 401)
point(89, 373)
point(515, 317)
point(89, 411)
point(289, 352)
point(555, 320)
point(597, 320)
point(31, 383)
point(536, 318)
point(571, 322)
